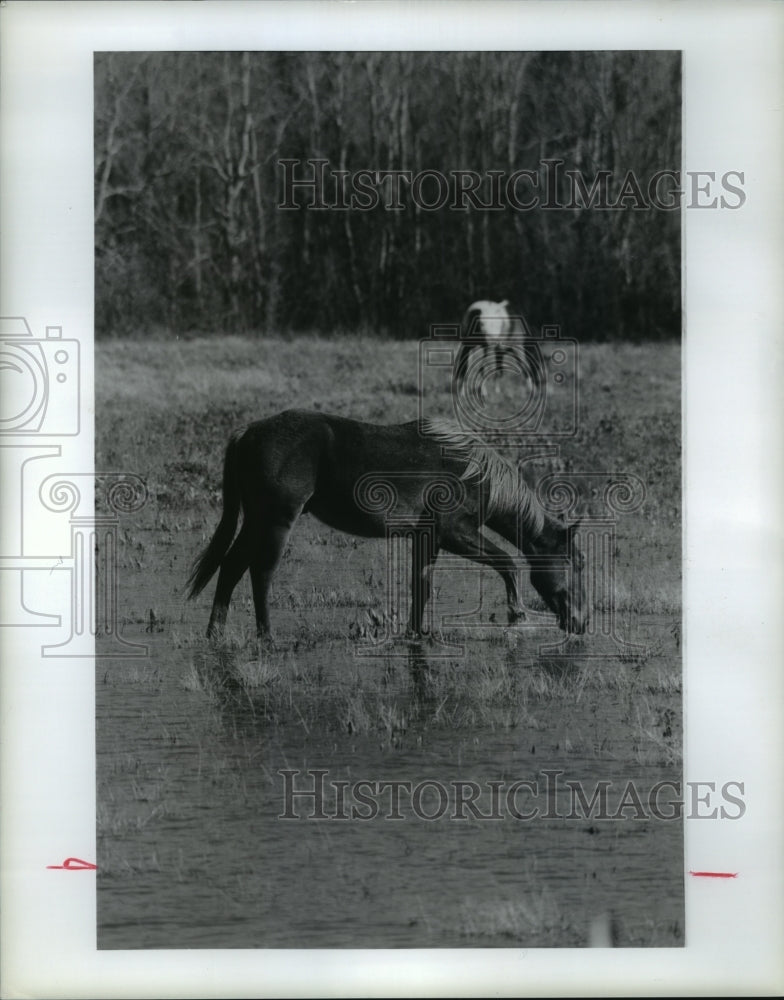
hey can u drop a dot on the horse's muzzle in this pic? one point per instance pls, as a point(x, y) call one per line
point(577, 626)
point(573, 624)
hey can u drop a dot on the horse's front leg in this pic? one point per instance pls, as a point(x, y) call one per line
point(423, 559)
point(516, 611)
point(463, 538)
point(508, 527)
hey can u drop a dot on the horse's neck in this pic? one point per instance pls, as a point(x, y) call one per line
point(526, 525)
point(552, 534)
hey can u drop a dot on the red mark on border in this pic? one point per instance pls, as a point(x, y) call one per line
point(75, 865)
point(714, 874)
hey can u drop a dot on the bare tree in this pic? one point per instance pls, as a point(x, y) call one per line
point(189, 232)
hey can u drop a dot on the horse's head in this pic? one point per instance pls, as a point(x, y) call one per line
point(557, 574)
point(488, 320)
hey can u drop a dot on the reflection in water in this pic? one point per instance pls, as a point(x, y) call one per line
point(419, 672)
point(193, 852)
point(240, 689)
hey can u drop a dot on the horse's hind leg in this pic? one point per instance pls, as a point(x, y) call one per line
point(266, 552)
point(463, 538)
point(234, 564)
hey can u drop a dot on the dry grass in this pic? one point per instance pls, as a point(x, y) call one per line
point(166, 409)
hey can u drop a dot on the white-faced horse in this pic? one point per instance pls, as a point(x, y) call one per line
point(495, 337)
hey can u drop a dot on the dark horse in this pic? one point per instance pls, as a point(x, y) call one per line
point(350, 474)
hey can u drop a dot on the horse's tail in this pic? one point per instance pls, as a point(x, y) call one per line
point(207, 563)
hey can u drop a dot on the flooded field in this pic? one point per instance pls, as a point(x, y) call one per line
point(489, 787)
point(194, 852)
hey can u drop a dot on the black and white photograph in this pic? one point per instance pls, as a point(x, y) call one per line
point(398, 519)
point(393, 341)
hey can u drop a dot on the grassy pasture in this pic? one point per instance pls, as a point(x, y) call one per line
point(166, 409)
point(164, 412)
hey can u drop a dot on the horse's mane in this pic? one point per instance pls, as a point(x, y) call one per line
point(508, 493)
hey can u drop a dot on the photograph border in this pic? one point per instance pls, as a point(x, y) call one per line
point(732, 372)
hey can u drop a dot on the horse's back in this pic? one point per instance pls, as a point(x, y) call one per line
point(387, 454)
point(314, 462)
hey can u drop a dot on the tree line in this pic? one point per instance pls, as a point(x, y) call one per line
point(382, 192)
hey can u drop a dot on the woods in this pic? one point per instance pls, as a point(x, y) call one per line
point(191, 153)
